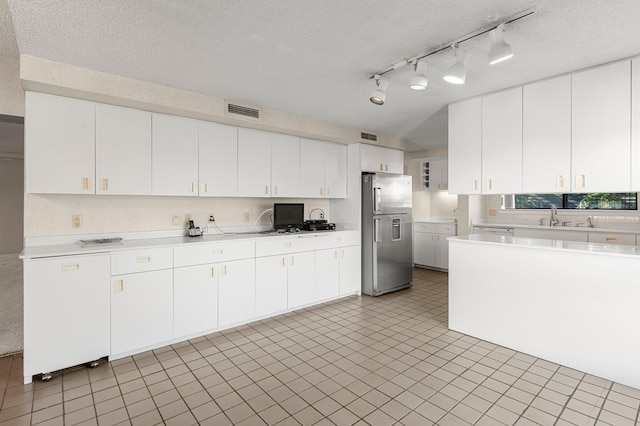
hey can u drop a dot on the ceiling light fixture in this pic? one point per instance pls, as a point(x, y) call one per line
point(500, 50)
point(419, 80)
point(457, 73)
point(379, 96)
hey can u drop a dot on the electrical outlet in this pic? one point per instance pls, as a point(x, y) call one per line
point(245, 217)
point(212, 218)
point(76, 221)
point(175, 219)
point(187, 218)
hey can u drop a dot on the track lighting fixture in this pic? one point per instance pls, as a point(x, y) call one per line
point(500, 50)
point(379, 96)
point(457, 73)
point(419, 80)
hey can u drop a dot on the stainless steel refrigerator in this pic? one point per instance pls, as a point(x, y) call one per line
point(386, 233)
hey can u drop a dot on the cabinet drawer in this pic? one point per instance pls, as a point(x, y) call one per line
point(435, 228)
point(605, 238)
point(141, 261)
point(339, 239)
point(285, 246)
point(212, 253)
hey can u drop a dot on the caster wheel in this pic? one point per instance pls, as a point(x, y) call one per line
point(93, 364)
point(46, 377)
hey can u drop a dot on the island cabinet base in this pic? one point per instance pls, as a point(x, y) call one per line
point(573, 304)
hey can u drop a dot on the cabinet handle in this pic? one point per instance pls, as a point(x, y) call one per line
point(212, 272)
point(217, 252)
point(321, 191)
point(381, 167)
point(286, 245)
point(291, 261)
point(488, 184)
point(386, 167)
point(205, 188)
point(612, 239)
point(282, 262)
point(193, 187)
point(86, 182)
point(560, 181)
point(342, 253)
point(335, 254)
point(275, 190)
point(70, 267)
point(143, 259)
point(104, 184)
point(581, 181)
point(328, 191)
point(224, 271)
point(475, 184)
point(446, 229)
point(119, 286)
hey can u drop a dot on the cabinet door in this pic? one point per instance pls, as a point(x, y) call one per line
point(141, 310)
point(437, 173)
point(502, 142)
point(551, 234)
point(59, 145)
point(546, 136)
point(174, 156)
point(236, 291)
point(612, 238)
point(312, 168)
point(379, 159)
point(195, 299)
point(465, 147)
point(301, 279)
point(601, 125)
point(66, 312)
point(441, 258)
point(424, 249)
point(123, 151)
point(271, 285)
point(327, 274)
point(217, 160)
point(285, 166)
point(254, 163)
point(350, 270)
point(335, 170)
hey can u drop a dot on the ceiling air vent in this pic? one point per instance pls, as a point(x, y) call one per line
point(368, 137)
point(243, 111)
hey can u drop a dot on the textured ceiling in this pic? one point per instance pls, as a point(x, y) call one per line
point(313, 58)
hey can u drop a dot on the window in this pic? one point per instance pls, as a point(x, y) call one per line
point(594, 201)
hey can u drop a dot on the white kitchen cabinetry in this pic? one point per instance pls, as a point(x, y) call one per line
point(337, 272)
point(284, 281)
point(59, 145)
point(502, 142)
point(430, 245)
point(601, 125)
point(551, 234)
point(236, 292)
point(141, 299)
point(123, 151)
point(217, 160)
point(546, 136)
point(285, 165)
point(312, 168)
point(612, 238)
point(635, 125)
point(300, 279)
point(434, 175)
point(254, 163)
point(465, 147)
point(66, 312)
point(350, 270)
point(174, 156)
point(380, 159)
point(335, 170)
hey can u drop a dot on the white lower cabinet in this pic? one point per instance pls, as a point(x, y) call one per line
point(337, 272)
point(551, 234)
point(66, 312)
point(350, 270)
point(141, 310)
point(236, 291)
point(612, 238)
point(300, 279)
point(195, 299)
point(271, 285)
point(430, 244)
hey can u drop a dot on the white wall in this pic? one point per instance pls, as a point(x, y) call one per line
point(11, 93)
point(11, 205)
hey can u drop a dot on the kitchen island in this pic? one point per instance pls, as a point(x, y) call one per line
point(572, 303)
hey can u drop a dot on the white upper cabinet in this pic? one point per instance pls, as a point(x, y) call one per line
point(174, 156)
point(218, 160)
point(502, 142)
point(601, 126)
point(635, 125)
point(285, 165)
point(254, 163)
point(312, 168)
point(465, 147)
point(546, 136)
point(335, 170)
point(59, 145)
point(380, 159)
point(123, 151)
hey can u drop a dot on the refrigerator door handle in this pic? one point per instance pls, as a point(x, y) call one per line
point(376, 199)
point(376, 230)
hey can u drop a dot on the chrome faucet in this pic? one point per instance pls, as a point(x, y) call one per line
point(589, 222)
point(553, 220)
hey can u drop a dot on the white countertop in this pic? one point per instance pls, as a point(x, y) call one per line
point(539, 243)
point(78, 248)
point(558, 228)
point(435, 220)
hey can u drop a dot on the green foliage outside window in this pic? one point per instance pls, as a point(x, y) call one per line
point(593, 201)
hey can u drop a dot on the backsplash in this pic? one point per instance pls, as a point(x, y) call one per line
point(50, 215)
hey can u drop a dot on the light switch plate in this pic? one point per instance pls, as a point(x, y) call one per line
point(76, 221)
point(175, 219)
point(245, 217)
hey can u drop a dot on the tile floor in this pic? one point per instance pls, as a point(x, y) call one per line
point(365, 361)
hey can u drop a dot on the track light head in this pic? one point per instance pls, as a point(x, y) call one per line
point(500, 50)
point(379, 96)
point(457, 73)
point(419, 80)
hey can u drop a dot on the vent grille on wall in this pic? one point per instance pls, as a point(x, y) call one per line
point(368, 137)
point(243, 111)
